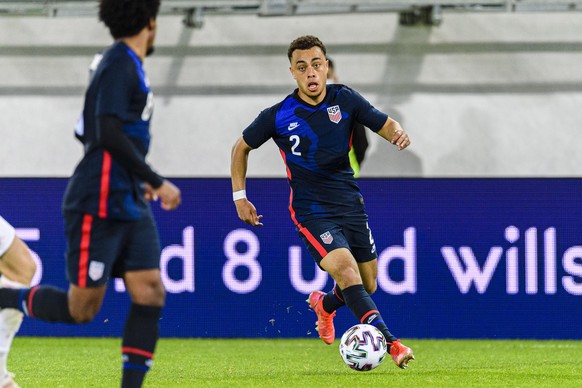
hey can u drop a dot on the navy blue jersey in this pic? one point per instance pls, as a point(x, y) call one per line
point(100, 185)
point(314, 142)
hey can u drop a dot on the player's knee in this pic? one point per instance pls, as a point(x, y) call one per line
point(158, 297)
point(146, 288)
point(371, 287)
point(348, 277)
point(82, 318)
point(150, 294)
point(83, 308)
point(83, 315)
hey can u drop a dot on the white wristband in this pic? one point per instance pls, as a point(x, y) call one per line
point(239, 195)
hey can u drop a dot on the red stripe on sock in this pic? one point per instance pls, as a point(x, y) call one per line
point(137, 351)
point(30, 296)
point(368, 314)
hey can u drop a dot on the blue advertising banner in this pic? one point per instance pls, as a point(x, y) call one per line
point(458, 258)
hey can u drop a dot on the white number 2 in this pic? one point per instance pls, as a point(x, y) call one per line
point(295, 139)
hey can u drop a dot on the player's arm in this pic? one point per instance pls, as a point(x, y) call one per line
point(238, 172)
point(359, 141)
point(112, 138)
point(393, 132)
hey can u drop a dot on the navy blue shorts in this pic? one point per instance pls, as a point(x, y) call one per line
point(98, 248)
point(322, 236)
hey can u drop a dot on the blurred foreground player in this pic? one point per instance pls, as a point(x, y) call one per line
point(312, 128)
point(17, 268)
point(109, 225)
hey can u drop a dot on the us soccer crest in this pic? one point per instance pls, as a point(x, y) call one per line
point(334, 113)
point(96, 269)
point(326, 237)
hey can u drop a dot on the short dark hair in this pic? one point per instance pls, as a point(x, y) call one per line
point(127, 17)
point(305, 43)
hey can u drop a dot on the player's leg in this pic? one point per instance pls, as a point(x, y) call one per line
point(90, 253)
point(17, 269)
point(362, 244)
point(92, 245)
point(342, 266)
point(369, 273)
point(334, 299)
point(320, 238)
point(52, 304)
point(357, 278)
point(359, 240)
point(142, 326)
point(141, 273)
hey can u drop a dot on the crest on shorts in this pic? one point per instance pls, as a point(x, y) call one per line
point(326, 237)
point(334, 113)
point(96, 269)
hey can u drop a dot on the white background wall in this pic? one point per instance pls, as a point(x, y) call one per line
point(484, 94)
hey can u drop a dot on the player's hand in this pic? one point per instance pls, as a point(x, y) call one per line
point(400, 139)
point(247, 212)
point(149, 192)
point(169, 195)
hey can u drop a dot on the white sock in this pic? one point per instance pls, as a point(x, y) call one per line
point(10, 320)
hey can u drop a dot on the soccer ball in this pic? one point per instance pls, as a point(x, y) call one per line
point(363, 347)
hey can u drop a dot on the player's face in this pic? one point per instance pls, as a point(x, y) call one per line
point(309, 68)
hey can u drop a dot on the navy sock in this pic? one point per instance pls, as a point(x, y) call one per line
point(364, 309)
point(42, 302)
point(139, 342)
point(333, 300)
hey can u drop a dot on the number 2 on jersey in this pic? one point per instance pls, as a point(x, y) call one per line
point(295, 139)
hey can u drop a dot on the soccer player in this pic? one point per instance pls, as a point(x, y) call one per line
point(109, 225)
point(17, 268)
point(312, 128)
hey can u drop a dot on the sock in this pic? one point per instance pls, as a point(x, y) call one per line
point(364, 309)
point(46, 303)
point(333, 300)
point(10, 320)
point(139, 341)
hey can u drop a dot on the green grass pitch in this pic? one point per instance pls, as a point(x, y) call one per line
point(279, 363)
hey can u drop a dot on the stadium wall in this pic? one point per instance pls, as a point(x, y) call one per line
point(484, 94)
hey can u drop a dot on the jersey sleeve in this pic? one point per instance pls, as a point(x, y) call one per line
point(124, 151)
point(115, 89)
point(365, 113)
point(261, 129)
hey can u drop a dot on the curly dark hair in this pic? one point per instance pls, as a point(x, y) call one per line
point(305, 43)
point(127, 17)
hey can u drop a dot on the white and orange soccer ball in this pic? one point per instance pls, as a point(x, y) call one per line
point(363, 347)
